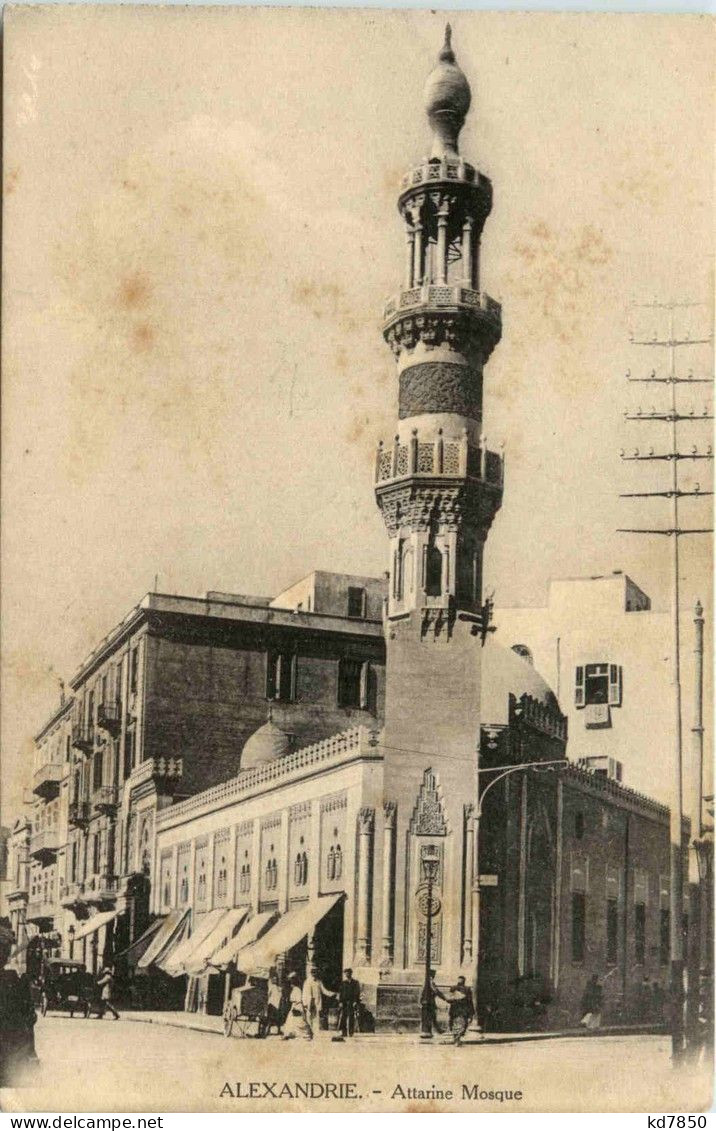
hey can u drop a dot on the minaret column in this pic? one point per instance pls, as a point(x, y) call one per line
point(409, 255)
point(443, 205)
point(387, 942)
point(467, 258)
point(366, 826)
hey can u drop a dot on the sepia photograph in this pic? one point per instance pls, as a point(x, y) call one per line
point(357, 617)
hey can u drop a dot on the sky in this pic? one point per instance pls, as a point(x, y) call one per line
point(200, 230)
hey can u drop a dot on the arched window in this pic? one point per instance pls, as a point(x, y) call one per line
point(331, 863)
point(338, 857)
point(433, 572)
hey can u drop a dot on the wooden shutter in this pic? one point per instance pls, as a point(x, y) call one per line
point(579, 688)
point(615, 685)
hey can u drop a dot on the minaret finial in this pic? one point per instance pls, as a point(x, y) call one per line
point(447, 100)
point(447, 55)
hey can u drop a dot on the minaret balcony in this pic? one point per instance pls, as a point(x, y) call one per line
point(439, 296)
point(437, 313)
point(441, 458)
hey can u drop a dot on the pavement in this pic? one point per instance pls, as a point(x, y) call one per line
point(204, 1023)
point(130, 1066)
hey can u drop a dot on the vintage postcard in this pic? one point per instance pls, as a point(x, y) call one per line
point(357, 615)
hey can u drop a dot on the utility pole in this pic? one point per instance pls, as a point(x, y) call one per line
point(675, 531)
point(693, 958)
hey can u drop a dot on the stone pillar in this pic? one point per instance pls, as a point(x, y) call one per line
point(255, 891)
point(409, 254)
point(366, 825)
point(467, 259)
point(314, 851)
point(522, 879)
point(210, 872)
point(441, 250)
point(467, 946)
point(387, 942)
point(283, 863)
point(174, 893)
point(418, 263)
point(231, 869)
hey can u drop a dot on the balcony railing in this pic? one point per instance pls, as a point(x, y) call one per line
point(71, 894)
point(109, 716)
point(101, 888)
point(439, 295)
point(46, 781)
point(82, 736)
point(439, 457)
point(44, 844)
point(78, 814)
point(105, 799)
point(40, 910)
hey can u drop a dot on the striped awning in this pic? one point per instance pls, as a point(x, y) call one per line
point(94, 923)
point(136, 949)
point(224, 930)
point(173, 931)
point(203, 926)
point(286, 933)
point(251, 929)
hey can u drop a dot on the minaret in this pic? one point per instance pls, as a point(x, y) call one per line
point(438, 488)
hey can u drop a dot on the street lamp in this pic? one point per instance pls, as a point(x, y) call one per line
point(501, 772)
point(71, 937)
point(430, 863)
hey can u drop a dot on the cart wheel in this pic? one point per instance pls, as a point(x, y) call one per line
point(43, 1004)
point(243, 1025)
point(230, 1016)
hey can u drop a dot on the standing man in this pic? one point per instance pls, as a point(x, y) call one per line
point(106, 984)
point(428, 1000)
point(348, 1001)
point(461, 1009)
point(314, 999)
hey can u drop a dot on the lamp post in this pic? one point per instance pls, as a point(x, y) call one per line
point(71, 937)
point(430, 862)
point(502, 772)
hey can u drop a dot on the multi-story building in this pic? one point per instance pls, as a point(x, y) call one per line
point(161, 709)
point(18, 888)
point(608, 656)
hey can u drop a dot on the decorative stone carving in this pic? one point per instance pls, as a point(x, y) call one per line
point(425, 506)
point(366, 822)
point(428, 816)
point(472, 332)
point(390, 812)
point(440, 386)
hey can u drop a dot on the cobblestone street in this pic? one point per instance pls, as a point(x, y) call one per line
point(150, 1067)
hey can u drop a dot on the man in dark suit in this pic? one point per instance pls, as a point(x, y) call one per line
point(348, 1002)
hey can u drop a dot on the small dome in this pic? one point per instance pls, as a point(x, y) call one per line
point(447, 100)
point(264, 745)
point(505, 672)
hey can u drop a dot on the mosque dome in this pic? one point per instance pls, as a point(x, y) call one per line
point(447, 100)
point(504, 673)
point(266, 744)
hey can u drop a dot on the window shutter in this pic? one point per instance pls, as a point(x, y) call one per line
point(364, 685)
point(615, 685)
point(579, 688)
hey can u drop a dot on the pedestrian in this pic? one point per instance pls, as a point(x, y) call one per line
point(348, 1003)
point(461, 1009)
point(296, 1023)
point(314, 999)
point(428, 1002)
point(592, 1004)
point(273, 1014)
point(105, 982)
point(17, 1015)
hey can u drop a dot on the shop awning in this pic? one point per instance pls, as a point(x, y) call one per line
point(94, 923)
point(203, 926)
point(172, 931)
point(135, 950)
point(289, 930)
point(223, 931)
point(251, 930)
